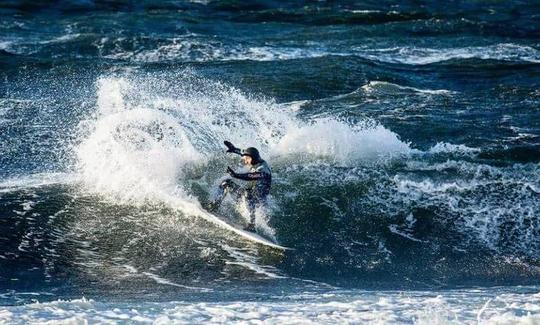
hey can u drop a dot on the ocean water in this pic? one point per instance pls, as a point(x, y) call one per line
point(404, 137)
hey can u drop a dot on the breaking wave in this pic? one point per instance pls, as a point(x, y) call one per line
point(349, 195)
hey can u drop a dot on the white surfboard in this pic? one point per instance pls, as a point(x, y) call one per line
point(251, 236)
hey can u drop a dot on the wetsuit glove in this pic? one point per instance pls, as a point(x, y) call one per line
point(230, 171)
point(230, 147)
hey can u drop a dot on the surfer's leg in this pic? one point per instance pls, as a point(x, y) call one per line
point(251, 201)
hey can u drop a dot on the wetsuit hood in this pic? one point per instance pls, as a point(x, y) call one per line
point(253, 153)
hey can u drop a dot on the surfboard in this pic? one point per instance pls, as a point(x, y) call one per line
point(225, 223)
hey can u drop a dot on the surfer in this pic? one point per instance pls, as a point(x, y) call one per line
point(258, 181)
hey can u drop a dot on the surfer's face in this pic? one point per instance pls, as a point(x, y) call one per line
point(246, 160)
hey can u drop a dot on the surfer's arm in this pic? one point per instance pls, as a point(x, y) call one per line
point(231, 148)
point(253, 176)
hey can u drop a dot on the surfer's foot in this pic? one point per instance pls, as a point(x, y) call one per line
point(250, 227)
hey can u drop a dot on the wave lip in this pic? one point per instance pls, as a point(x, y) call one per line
point(35, 181)
point(378, 86)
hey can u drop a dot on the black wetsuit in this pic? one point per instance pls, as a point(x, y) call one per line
point(259, 179)
point(259, 182)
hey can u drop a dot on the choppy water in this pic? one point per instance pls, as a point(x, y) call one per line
point(404, 138)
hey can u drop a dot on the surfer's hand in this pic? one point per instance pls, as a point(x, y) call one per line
point(230, 171)
point(230, 146)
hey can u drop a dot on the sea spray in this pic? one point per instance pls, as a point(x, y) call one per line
point(132, 151)
point(148, 128)
point(342, 143)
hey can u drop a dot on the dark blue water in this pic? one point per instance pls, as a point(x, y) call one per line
point(404, 138)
